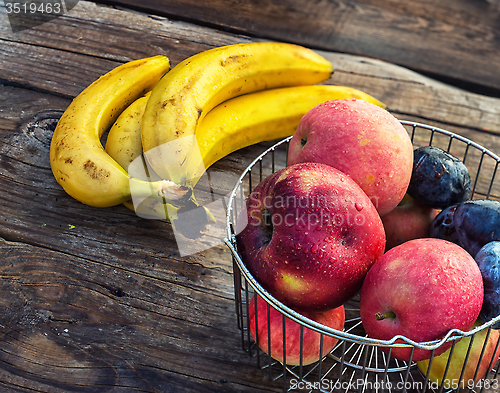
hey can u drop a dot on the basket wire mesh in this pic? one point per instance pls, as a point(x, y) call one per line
point(356, 363)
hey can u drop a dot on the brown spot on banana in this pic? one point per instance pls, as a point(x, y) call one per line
point(236, 91)
point(93, 171)
point(232, 59)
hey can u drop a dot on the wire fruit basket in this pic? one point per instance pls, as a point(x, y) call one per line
point(356, 363)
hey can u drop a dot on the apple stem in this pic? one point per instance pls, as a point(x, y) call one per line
point(379, 316)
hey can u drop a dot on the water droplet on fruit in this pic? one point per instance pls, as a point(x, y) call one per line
point(358, 206)
point(314, 248)
point(391, 174)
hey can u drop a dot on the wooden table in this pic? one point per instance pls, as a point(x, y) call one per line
point(98, 299)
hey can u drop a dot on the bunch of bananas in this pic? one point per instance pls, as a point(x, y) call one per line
point(212, 104)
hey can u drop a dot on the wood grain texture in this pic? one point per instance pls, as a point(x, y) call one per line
point(92, 56)
point(71, 323)
point(451, 39)
point(99, 300)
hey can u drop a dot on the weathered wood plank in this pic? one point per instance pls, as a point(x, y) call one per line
point(113, 307)
point(35, 210)
point(452, 39)
point(69, 323)
point(94, 55)
point(408, 93)
point(70, 52)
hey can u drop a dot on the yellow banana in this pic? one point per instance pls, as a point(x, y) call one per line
point(123, 142)
point(236, 123)
point(183, 96)
point(78, 160)
point(261, 116)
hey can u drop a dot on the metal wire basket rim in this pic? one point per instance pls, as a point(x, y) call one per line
point(240, 182)
point(394, 342)
point(452, 135)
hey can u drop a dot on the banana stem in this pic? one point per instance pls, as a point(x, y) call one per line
point(166, 190)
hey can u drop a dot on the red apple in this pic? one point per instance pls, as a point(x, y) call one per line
point(308, 235)
point(362, 140)
point(407, 221)
point(311, 339)
point(479, 361)
point(421, 289)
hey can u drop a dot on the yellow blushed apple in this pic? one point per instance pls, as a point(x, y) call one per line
point(452, 377)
